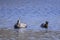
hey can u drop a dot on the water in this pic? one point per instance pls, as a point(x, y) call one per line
point(23, 34)
point(30, 12)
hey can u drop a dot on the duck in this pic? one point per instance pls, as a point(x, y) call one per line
point(19, 25)
point(45, 25)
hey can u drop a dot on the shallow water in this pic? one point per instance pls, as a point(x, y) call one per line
point(23, 34)
point(32, 13)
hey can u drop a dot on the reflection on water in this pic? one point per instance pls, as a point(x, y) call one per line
point(33, 13)
point(23, 34)
point(22, 30)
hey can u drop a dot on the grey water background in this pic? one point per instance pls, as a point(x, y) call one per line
point(31, 12)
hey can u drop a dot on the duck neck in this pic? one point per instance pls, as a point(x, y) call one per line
point(19, 21)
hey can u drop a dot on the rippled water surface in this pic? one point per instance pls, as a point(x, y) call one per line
point(32, 13)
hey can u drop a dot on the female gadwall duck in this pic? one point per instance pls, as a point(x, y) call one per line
point(45, 25)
